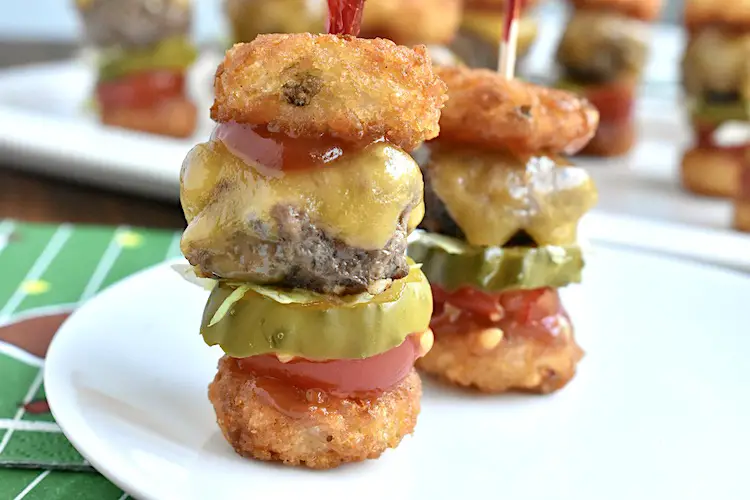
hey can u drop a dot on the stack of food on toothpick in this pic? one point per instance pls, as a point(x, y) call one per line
point(143, 55)
point(499, 234)
point(298, 213)
point(602, 55)
point(406, 22)
point(482, 26)
point(716, 79)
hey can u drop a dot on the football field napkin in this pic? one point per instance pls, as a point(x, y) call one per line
point(46, 272)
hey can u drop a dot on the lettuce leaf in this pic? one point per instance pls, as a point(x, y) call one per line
point(225, 306)
point(187, 273)
point(446, 243)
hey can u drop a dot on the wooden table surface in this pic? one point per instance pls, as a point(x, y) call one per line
point(31, 197)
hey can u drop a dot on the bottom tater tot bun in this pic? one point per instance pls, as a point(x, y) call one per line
point(711, 172)
point(742, 215)
point(320, 433)
point(174, 117)
point(612, 139)
point(490, 362)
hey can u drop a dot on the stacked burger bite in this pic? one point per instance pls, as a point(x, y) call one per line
point(502, 210)
point(143, 53)
point(716, 79)
point(481, 29)
point(602, 54)
point(299, 209)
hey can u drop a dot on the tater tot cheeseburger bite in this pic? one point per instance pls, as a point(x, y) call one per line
point(602, 54)
point(499, 233)
point(143, 52)
point(481, 30)
point(716, 81)
point(298, 210)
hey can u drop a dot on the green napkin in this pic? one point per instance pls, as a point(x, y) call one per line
point(46, 271)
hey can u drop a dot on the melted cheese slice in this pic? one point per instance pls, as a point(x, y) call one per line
point(492, 196)
point(357, 199)
point(488, 26)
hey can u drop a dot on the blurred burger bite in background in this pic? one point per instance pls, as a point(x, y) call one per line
point(716, 82)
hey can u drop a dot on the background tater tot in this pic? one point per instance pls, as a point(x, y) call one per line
point(310, 85)
point(409, 22)
point(174, 117)
point(489, 111)
point(348, 431)
point(512, 364)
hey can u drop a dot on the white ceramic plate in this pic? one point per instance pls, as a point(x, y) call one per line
point(659, 409)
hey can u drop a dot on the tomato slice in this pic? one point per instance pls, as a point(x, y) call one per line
point(614, 101)
point(536, 314)
point(342, 378)
point(142, 90)
point(278, 151)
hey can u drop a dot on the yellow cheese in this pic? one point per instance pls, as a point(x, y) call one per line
point(357, 199)
point(492, 196)
point(488, 26)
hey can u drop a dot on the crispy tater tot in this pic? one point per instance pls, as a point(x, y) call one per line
point(711, 172)
point(645, 10)
point(741, 220)
point(487, 110)
point(409, 22)
point(475, 359)
point(700, 13)
point(338, 431)
point(173, 117)
point(351, 88)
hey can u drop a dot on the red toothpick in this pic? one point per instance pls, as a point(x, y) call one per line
point(506, 63)
point(344, 16)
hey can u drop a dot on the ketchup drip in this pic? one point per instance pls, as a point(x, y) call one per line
point(273, 152)
point(345, 16)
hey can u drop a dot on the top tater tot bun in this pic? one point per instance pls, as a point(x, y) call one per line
point(645, 10)
point(489, 111)
point(699, 13)
point(409, 22)
point(347, 87)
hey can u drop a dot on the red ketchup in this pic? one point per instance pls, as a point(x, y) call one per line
point(274, 152)
point(533, 314)
point(299, 385)
point(344, 16)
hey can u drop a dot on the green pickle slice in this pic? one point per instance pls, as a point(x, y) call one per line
point(720, 113)
point(452, 263)
point(173, 53)
point(263, 320)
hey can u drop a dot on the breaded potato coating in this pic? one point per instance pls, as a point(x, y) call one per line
point(612, 139)
point(410, 22)
point(173, 117)
point(471, 359)
point(741, 220)
point(351, 88)
point(486, 110)
point(645, 10)
point(345, 430)
point(700, 13)
point(711, 172)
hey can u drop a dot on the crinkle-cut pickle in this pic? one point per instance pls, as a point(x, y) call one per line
point(452, 263)
point(258, 324)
